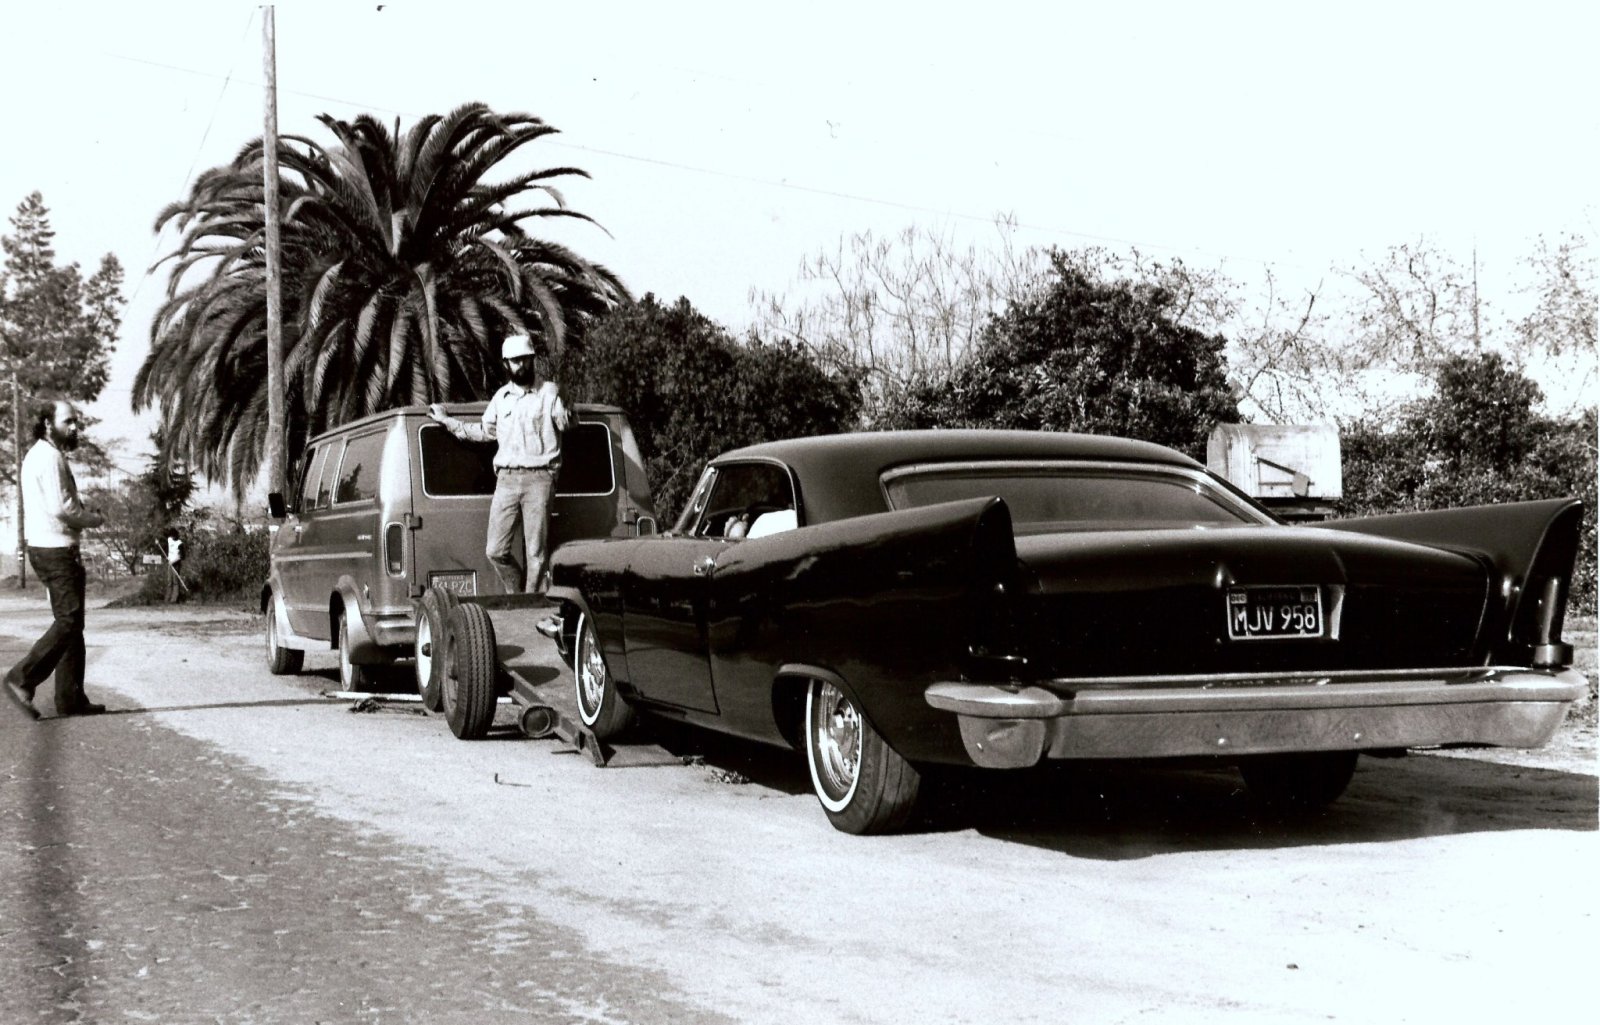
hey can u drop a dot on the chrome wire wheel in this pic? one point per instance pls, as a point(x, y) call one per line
point(591, 670)
point(833, 727)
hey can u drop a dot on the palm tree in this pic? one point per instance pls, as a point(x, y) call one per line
point(402, 268)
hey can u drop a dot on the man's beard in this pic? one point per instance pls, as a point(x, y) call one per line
point(64, 442)
point(525, 376)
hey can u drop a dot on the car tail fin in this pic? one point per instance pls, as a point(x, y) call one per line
point(1531, 548)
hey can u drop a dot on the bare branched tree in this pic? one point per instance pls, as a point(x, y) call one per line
point(898, 309)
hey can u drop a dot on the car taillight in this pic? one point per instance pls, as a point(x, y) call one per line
point(394, 539)
point(992, 639)
point(1548, 614)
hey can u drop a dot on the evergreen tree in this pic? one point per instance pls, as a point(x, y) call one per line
point(57, 329)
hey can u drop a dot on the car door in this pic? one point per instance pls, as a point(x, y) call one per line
point(670, 584)
point(664, 606)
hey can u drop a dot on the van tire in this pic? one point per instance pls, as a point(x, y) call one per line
point(281, 661)
point(430, 634)
point(468, 684)
point(352, 675)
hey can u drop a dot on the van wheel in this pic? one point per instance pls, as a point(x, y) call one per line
point(468, 684)
point(281, 661)
point(429, 649)
point(352, 675)
point(606, 713)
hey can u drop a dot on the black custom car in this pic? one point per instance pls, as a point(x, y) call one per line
point(894, 600)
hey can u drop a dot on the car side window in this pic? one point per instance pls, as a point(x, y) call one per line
point(744, 493)
point(358, 473)
point(308, 483)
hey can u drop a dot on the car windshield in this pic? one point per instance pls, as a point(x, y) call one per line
point(1076, 497)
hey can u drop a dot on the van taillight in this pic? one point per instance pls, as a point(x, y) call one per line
point(394, 540)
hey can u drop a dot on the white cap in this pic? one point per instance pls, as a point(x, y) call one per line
point(516, 345)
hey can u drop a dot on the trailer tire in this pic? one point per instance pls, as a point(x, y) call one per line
point(430, 649)
point(468, 684)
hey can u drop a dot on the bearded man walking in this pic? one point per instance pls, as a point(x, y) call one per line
point(526, 418)
point(53, 519)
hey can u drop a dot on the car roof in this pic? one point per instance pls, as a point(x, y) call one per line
point(839, 473)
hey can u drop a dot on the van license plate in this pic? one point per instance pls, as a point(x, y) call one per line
point(1267, 613)
point(460, 583)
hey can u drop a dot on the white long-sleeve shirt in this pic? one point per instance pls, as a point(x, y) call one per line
point(526, 422)
point(52, 516)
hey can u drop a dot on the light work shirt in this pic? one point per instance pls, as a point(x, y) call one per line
point(527, 423)
point(52, 516)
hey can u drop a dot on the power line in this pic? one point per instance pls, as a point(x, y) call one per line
point(749, 179)
point(155, 249)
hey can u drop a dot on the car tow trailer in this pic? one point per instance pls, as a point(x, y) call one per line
point(484, 637)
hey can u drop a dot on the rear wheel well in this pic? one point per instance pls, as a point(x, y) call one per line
point(789, 707)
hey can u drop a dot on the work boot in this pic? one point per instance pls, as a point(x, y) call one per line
point(20, 696)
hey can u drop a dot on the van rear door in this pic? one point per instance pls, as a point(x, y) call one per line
point(587, 486)
point(454, 481)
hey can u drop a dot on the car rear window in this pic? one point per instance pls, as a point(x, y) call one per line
point(454, 468)
point(1045, 497)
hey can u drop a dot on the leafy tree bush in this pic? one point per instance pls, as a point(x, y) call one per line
point(691, 391)
point(222, 565)
point(1479, 439)
point(1081, 353)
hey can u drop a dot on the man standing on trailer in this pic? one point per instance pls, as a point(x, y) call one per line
point(525, 418)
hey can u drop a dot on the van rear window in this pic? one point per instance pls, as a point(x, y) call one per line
point(453, 468)
point(586, 461)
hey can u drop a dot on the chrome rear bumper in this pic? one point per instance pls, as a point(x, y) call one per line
point(1223, 714)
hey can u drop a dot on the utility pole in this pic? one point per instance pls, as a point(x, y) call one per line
point(1477, 334)
point(16, 442)
point(269, 148)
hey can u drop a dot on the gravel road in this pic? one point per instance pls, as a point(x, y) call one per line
point(230, 846)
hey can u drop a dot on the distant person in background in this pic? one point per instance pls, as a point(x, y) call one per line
point(53, 519)
point(174, 557)
point(525, 418)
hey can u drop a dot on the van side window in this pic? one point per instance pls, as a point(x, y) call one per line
point(358, 474)
point(308, 483)
point(586, 461)
point(325, 478)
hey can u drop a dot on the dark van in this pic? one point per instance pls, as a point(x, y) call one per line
point(390, 504)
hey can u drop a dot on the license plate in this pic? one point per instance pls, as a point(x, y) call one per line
point(1268, 613)
point(460, 583)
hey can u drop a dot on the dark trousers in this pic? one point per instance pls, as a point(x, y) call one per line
point(60, 650)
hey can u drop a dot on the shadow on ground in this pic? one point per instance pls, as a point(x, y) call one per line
point(1126, 810)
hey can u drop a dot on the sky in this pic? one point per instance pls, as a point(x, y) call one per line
point(726, 145)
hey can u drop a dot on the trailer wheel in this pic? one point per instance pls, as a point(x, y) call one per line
point(429, 649)
point(468, 684)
